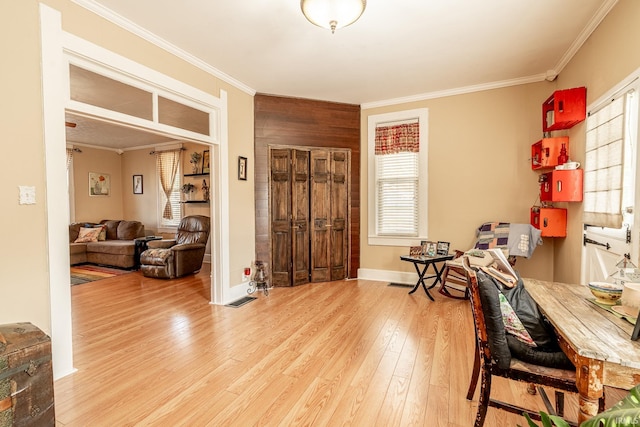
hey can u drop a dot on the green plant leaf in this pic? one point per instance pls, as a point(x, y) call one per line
point(625, 413)
point(558, 421)
point(547, 420)
point(529, 421)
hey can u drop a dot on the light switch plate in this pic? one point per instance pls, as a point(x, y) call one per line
point(27, 195)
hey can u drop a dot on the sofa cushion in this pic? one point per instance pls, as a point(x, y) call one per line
point(129, 230)
point(88, 235)
point(112, 228)
point(77, 248)
point(112, 247)
point(157, 256)
point(103, 232)
point(74, 229)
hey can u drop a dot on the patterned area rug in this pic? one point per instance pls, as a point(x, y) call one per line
point(90, 273)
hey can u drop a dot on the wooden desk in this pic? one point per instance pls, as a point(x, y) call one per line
point(427, 261)
point(597, 342)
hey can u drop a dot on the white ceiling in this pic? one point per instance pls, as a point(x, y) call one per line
point(398, 50)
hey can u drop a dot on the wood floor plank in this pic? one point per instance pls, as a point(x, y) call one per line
point(153, 352)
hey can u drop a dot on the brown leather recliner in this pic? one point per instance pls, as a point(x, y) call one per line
point(167, 259)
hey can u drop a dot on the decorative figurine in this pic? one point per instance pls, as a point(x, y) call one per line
point(205, 190)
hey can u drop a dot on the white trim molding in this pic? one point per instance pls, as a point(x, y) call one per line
point(421, 115)
point(147, 35)
point(387, 276)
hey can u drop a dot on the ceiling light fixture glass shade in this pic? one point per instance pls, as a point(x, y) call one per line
point(332, 14)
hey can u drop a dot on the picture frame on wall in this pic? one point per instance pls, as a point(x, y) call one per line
point(137, 184)
point(242, 168)
point(206, 168)
point(99, 184)
point(443, 248)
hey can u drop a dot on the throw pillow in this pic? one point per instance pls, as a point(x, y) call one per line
point(512, 323)
point(528, 313)
point(88, 235)
point(550, 359)
point(103, 232)
point(496, 335)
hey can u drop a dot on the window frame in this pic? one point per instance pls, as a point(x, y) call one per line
point(386, 119)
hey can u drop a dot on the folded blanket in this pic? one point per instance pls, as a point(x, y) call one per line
point(516, 239)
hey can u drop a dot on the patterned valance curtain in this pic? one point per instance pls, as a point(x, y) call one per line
point(404, 138)
point(167, 165)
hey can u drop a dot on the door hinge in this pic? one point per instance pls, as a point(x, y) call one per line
point(628, 235)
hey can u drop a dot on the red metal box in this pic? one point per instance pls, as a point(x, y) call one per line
point(564, 109)
point(561, 186)
point(552, 222)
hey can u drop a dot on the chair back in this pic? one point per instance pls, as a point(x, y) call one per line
point(482, 339)
point(193, 229)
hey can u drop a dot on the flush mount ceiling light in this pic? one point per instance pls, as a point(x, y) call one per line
point(332, 14)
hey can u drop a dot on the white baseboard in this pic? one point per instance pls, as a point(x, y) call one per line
point(388, 276)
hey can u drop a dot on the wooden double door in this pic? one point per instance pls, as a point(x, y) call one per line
point(309, 209)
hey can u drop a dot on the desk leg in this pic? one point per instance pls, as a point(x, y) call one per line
point(421, 280)
point(438, 274)
point(589, 374)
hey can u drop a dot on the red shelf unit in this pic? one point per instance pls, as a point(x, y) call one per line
point(552, 222)
point(564, 109)
point(544, 153)
point(561, 186)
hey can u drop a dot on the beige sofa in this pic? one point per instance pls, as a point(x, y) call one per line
point(117, 249)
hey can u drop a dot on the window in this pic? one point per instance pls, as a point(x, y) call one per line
point(168, 167)
point(398, 178)
point(609, 162)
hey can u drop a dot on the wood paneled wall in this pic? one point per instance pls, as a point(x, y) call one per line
point(282, 121)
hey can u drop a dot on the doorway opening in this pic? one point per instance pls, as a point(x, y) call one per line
point(612, 236)
point(59, 51)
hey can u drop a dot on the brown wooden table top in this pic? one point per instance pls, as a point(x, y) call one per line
point(591, 331)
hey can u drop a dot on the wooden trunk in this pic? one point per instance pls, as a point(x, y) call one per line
point(26, 376)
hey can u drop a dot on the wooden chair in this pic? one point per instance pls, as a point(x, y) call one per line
point(485, 367)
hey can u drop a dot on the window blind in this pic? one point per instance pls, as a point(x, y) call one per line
point(397, 194)
point(603, 168)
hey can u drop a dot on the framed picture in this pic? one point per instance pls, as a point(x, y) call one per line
point(242, 168)
point(137, 184)
point(443, 248)
point(205, 162)
point(99, 184)
point(431, 249)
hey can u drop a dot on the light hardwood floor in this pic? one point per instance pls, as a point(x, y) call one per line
point(361, 353)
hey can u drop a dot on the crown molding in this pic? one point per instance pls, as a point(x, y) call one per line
point(454, 91)
point(133, 28)
point(586, 32)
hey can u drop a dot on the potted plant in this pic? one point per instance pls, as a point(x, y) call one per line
point(195, 161)
point(187, 189)
point(625, 413)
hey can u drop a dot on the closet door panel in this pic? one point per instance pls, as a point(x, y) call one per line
point(300, 219)
point(280, 217)
point(339, 214)
point(320, 216)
